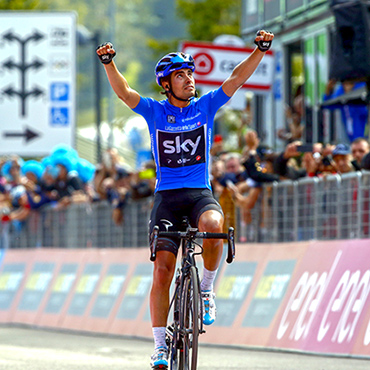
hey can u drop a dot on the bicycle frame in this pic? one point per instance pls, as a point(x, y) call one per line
point(182, 334)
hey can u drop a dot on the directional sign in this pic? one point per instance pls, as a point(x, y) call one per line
point(214, 64)
point(37, 84)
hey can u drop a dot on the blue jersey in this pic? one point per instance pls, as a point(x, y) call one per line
point(181, 139)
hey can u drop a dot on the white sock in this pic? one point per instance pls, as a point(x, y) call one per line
point(159, 334)
point(208, 279)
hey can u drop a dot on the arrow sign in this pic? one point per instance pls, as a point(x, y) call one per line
point(28, 134)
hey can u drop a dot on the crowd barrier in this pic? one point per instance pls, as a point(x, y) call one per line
point(331, 208)
point(304, 296)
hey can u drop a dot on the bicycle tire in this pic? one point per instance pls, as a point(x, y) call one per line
point(189, 321)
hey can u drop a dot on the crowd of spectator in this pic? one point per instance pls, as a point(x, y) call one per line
point(241, 175)
point(63, 178)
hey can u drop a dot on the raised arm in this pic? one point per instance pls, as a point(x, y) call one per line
point(119, 84)
point(245, 69)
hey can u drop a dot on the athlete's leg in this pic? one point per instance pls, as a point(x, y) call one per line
point(164, 268)
point(211, 221)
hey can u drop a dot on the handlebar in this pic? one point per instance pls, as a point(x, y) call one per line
point(191, 234)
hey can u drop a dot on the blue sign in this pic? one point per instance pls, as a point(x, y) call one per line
point(59, 116)
point(59, 91)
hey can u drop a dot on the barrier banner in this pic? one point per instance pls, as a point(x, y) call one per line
point(327, 303)
point(307, 296)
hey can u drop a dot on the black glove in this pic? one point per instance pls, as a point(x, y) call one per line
point(262, 45)
point(106, 58)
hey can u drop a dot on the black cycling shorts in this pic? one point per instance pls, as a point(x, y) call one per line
point(169, 208)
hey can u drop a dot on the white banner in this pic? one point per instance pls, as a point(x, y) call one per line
point(37, 84)
point(214, 64)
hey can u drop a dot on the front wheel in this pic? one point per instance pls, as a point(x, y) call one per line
point(189, 321)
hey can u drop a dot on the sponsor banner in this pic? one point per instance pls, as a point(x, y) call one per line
point(11, 277)
point(232, 290)
point(269, 293)
point(109, 290)
point(136, 293)
point(85, 288)
point(328, 300)
point(215, 63)
point(308, 296)
point(61, 288)
point(37, 284)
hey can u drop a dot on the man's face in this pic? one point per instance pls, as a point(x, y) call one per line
point(359, 150)
point(343, 163)
point(233, 166)
point(182, 83)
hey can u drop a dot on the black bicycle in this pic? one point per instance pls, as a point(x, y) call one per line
point(182, 334)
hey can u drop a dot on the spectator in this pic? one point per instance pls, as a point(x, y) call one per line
point(354, 116)
point(359, 148)
point(342, 159)
point(20, 204)
point(234, 170)
point(11, 170)
point(33, 172)
point(143, 182)
point(4, 196)
point(119, 193)
point(67, 183)
point(105, 172)
point(310, 162)
point(294, 117)
point(365, 163)
point(217, 146)
point(218, 173)
point(258, 160)
point(86, 172)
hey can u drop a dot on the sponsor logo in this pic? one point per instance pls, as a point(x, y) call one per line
point(171, 119)
point(167, 224)
point(182, 149)
point(304, 303)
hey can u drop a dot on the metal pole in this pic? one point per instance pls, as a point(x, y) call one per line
point(97, 68)
point(112, 32)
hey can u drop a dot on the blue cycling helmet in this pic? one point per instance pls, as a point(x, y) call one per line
point(173, 62)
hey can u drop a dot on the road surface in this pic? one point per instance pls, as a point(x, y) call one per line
point(32, 349)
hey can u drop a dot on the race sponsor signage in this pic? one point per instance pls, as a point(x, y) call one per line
point(85, 289)
point(232, 290)
point(136, 292)
point(109, 290)
point(61, 288)
point(38, 81)
point(11, 278)
point(36, 286)
point(269, 293)
point(215, 63)
point(325, 308)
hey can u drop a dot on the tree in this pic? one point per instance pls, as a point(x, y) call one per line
point(22, 4)
point(210, 18)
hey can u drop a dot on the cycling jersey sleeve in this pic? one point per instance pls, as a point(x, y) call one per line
point(214, 100)
point(144, 107)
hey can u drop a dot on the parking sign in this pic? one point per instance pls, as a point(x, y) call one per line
point(37, 85)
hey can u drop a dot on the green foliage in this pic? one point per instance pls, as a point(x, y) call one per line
point(22, 4)
point(210, 18)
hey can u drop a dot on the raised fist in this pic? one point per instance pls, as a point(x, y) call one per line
point(106, 52)
point(263, 40)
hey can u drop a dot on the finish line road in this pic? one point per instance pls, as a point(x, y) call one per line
point(31, 349)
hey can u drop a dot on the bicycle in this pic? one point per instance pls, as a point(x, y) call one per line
point(182, 334)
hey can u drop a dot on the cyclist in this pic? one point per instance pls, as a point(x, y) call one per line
point(181, 130)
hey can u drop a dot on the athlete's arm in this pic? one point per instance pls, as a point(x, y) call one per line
point(119, 84)
point(244, 69)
